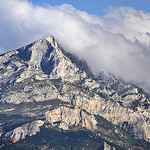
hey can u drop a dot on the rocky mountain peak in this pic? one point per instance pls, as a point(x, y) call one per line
point(44, 72)
point(52, 41)
point(40, 59)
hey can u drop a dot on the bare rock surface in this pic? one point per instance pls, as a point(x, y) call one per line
point(65, 117)
point(21, 132)
point(108, 147)
point(43, 71)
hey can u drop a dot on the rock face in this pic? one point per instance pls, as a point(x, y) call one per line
point(65, 117)
point(40, 61)
point(43, 71)
point(108, 147)
point(19, 133)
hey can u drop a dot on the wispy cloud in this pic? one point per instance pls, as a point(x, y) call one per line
point(118, 42)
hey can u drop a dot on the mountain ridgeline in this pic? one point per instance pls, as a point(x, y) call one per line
point(44, 89)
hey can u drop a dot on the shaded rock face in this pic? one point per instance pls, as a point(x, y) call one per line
point(19, 133)
point(65, 117)
point(42, 71)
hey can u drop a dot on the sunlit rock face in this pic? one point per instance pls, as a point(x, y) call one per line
point(43, 71)
point(65, 117)
point(21, 132)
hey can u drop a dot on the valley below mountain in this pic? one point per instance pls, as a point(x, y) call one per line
point(50, 99)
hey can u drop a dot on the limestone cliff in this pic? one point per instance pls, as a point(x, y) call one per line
point(65, 117)
point(43, 71)
point(21, 132)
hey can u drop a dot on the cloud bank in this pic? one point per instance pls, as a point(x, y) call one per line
point(118, 42)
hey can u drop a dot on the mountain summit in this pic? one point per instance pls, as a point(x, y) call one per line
point(43, 81)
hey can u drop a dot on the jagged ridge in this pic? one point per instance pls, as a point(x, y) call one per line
point(43, 71)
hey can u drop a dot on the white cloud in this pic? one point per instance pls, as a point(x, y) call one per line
point(118, 42)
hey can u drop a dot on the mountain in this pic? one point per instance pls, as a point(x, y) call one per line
point(43, 87)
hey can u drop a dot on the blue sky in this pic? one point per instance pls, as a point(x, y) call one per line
point(98, 7)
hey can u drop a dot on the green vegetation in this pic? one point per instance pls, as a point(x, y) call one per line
point(59, 140)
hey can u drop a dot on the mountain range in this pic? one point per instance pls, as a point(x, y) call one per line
point(50, 99)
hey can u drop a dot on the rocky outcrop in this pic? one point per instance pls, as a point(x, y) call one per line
point(134, 122)
point(41, 61)
point(65, 117)
point(19, 133)
point(1, 131)
point(42, 71)
point(108, 147)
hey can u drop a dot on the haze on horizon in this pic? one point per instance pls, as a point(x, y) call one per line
point(118, 42)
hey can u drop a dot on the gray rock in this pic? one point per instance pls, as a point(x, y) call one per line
point(42, 71)
point(19, 133)
point(65, 117)
point(108, 147)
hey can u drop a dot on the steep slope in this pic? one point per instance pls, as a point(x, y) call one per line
point(44, 72)
point(42, 60)
point(19, 133)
